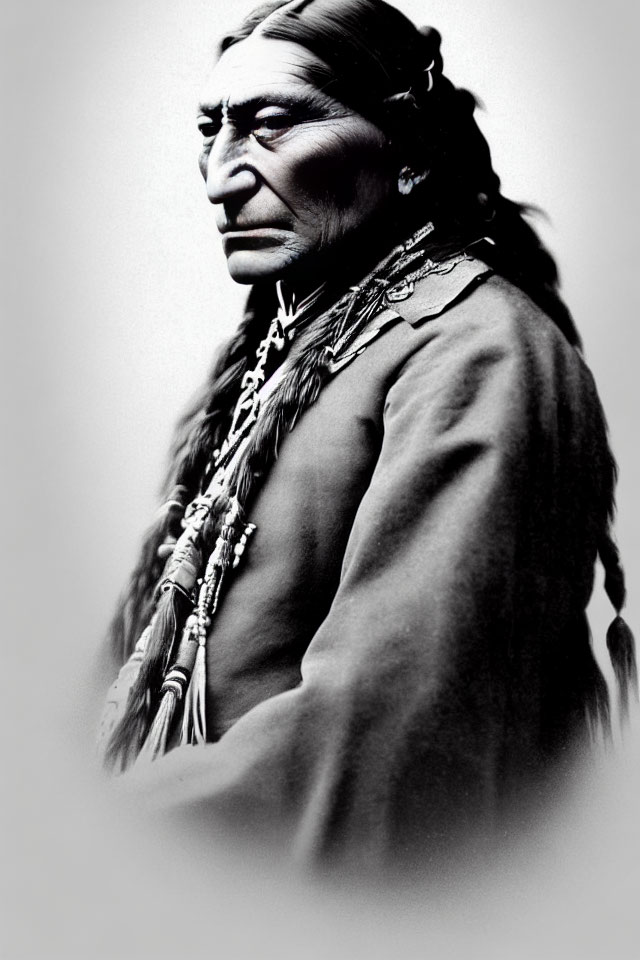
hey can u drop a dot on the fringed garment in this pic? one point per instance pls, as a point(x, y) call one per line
point(385, 641)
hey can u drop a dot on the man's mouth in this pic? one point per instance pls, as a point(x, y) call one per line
point(242, 228)
point(251, 237)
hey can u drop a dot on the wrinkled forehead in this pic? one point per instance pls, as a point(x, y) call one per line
point(257, 67)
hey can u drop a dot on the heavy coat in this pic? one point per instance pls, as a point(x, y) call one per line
point(406, 648)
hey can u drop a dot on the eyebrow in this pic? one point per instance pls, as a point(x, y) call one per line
point(310, 100)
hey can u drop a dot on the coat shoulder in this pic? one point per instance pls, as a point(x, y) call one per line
point(475, 306)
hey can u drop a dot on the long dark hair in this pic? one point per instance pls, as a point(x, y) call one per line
point(380, 64)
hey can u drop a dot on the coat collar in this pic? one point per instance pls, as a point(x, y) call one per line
point(430, 296)
point(415, 302)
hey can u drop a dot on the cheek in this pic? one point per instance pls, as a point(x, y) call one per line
point(338, 174)
point(203, 160)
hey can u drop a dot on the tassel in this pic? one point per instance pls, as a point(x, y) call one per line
point(621, 647)
point(129, 735)
point(118, 693)
point(194, 721)
point(175, 598)
point(156, 742)
point(173, 689)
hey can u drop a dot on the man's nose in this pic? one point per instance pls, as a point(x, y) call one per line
point(228, 173)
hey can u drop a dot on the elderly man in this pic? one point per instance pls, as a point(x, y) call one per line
point(360, 621)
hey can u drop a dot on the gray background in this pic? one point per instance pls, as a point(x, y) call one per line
point(114, 295)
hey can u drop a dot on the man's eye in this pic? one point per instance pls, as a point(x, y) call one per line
point(209, 129)
point(269, 128)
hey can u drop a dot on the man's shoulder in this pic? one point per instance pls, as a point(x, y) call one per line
point(460, 321)
point(471, 302)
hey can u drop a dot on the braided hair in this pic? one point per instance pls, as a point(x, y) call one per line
point(374, 60)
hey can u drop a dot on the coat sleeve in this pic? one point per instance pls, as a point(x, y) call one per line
point(424, 667)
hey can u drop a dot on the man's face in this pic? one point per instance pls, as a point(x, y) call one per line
point(291, 171)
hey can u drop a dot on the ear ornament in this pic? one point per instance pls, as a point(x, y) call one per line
point(408, 179)
point(428, 70)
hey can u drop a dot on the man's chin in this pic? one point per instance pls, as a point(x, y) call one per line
point(253, 266)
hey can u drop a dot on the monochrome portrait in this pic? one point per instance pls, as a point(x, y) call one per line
point(343, 535)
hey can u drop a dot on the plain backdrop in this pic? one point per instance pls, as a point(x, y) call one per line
point(114, 295)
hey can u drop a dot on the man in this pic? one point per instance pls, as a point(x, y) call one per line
point(369, 632)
